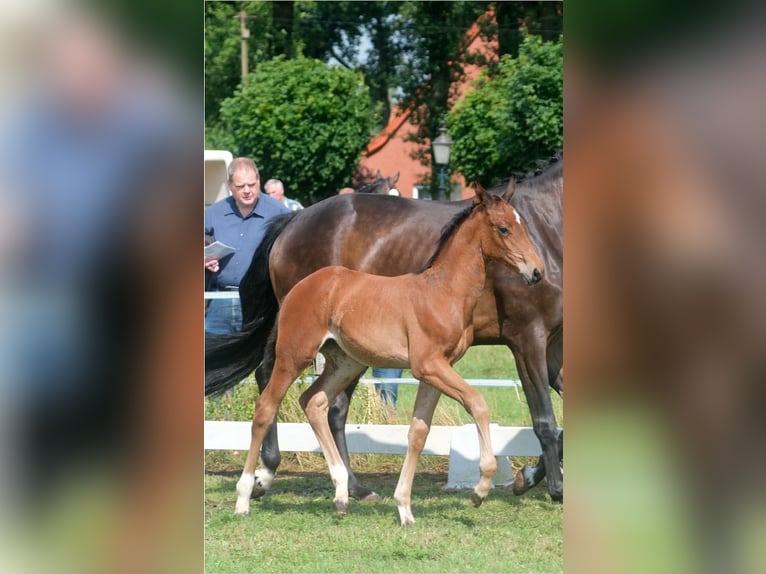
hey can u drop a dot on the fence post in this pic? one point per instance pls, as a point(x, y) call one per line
point(464, 460)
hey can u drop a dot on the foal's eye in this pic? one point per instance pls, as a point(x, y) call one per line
point(503, 230)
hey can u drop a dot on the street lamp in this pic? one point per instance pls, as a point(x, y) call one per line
point(441, 148)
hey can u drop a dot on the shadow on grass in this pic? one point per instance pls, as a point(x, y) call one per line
point(310, 495)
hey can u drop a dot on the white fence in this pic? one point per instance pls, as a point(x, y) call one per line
point(460, 443)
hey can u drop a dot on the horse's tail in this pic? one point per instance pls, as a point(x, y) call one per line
point(231, 358)
point(555, 358)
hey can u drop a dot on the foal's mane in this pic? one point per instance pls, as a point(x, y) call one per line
point(447, 231)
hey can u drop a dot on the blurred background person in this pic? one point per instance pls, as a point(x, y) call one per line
point(276, 189)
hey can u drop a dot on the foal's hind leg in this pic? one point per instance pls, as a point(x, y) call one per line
point(339, 372)
point(425, 404)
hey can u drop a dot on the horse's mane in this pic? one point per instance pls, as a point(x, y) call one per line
point(447, 232)
point(369, 187)
point(545, 171)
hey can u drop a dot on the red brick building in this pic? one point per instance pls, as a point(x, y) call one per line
point(390, 153)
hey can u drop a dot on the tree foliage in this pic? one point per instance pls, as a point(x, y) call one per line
point(414, 51)
point(302, 121)
point(508, 122)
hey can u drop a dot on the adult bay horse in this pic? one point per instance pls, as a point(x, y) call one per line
point(420, 320)
point(393, 236)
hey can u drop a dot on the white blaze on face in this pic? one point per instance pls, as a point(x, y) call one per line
point(518, 217)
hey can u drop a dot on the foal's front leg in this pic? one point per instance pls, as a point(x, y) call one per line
point(441, 375)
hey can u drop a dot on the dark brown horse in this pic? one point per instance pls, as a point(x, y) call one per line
point(393, 236)
point(419, 320)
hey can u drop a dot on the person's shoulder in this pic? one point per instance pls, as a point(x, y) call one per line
point(221, 206)
point(294, 205)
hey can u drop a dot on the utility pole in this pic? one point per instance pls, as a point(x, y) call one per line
point(244, 33)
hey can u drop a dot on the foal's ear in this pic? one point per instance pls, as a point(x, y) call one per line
point(395, 178)
point(481, 195)
point(508, 193)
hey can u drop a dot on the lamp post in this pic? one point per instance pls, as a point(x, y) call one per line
point(441, 149)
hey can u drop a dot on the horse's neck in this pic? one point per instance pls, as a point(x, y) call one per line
point(460, 267)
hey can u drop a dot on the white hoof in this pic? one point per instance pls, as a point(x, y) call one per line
point(264, 478)
point(405, 516)
point(244, 490)
point(242, 508)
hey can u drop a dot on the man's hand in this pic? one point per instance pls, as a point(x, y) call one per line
point(211, 264)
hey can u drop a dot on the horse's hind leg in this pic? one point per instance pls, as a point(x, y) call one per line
point(337, 419)
point(271, 457)
point(425, 404)
point(339, 372)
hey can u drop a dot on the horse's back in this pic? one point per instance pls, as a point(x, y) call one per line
point(383, 235)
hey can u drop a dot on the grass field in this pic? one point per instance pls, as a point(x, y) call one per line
point(293, 529)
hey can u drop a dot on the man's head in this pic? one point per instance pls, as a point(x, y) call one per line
point(275, 189)
point(244, 183)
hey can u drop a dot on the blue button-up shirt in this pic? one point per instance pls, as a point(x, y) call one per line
point(225, 223)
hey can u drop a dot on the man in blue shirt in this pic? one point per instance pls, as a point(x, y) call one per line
point(240, 222)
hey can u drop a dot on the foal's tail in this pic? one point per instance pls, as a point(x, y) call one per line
point(231, 358)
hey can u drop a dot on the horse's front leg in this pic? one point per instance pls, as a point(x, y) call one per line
point(530, 476)
point(425, 404)
point(529, 352)
point(337, 416)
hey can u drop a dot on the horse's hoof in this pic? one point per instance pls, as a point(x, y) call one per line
point(341, 508)
point(372, 497)
point(557, 497)
point(476, 500)
point(363, 494)
point(257, 493)
point(520, 485)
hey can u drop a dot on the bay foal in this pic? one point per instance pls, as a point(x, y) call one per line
point(421, 320)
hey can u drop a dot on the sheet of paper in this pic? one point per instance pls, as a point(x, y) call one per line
point(218, 249)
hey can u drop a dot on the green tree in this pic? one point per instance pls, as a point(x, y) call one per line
point(508, 122)
point(302, 121)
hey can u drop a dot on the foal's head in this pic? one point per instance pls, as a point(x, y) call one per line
point(505, 237)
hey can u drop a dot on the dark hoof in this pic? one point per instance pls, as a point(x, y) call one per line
point(372, 497)
point(476, 500)
point(341, 508)
point(557, 497)
point(257, 493)
point(363, 494)
point(520, 484)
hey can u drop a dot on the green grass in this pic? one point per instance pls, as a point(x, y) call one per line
point(293, 528)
